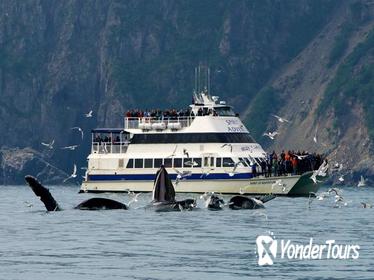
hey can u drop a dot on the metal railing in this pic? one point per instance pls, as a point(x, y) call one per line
point(109, 148)
point(149, 123)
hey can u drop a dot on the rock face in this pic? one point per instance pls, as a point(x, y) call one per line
point(61, 59)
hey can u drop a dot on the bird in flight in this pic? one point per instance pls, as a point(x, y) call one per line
point(89, 114)
point(73, 175)
point(49, 145)
point(79, 129)
point(280, 119)
point(71, 148)
point(173, 154)
point(362, 182)
point(186, 153)
point(271, 135)
point(228, 145)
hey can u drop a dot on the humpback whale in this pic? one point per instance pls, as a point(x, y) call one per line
point(163, 195)
point(50, 203)
point(213, 202)
point(244, 202)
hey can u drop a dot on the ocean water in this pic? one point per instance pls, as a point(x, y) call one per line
point(201, 244)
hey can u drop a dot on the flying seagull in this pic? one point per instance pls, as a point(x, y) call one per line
point(186, 153)
point(271, 135)
point(49, 145)
point(89, 114)
point(362, 182)
point(79, 129)
point(71, 148)
point(228, 145)
point(280, 119)
point(72, 175)
point(173, 154)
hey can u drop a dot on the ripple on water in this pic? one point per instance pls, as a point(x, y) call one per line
point(142, 244)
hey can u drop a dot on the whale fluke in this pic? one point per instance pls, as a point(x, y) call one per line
point(44, 194)
point(98, 203)
point(244, 202)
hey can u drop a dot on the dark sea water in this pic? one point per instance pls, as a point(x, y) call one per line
point(201, 244)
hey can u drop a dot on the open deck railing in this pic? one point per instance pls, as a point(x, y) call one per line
point(109, 148)
point(148, 123)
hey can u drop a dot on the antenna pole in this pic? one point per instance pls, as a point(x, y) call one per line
point(208, 80)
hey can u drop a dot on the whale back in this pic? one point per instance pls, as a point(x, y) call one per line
point(163, 189)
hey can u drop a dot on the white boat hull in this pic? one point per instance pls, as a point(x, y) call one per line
point(259, 185)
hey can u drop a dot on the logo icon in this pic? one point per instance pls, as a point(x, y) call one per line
point(266, 249)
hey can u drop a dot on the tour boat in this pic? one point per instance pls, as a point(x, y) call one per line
point(205, 148)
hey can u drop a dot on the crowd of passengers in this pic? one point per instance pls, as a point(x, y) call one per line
point(289, 162)
point(169, 113)
point(106, 139)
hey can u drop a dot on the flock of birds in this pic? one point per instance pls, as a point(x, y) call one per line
point(50, 146)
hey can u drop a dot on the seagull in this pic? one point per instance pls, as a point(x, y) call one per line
point(366, 205)
point(362, 182)
point(236, 164)
point(173, 154)
point(134, 199)
point(181, 175)
point(89, 114)
point(315, 138)
point(277, 183)
point(186, 153)
point(49, 145)
point(79, 129)
point(271, 135)
point(72, 175)
point(301, 157)
point(191, 163)
point(71, 148)
point(206, 173)
point(280, 119)
point(228, 145)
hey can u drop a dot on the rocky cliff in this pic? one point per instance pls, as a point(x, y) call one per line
point(61, 59)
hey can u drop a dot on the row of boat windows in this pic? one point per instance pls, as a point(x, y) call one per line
point(167, 138)
point(179, 162)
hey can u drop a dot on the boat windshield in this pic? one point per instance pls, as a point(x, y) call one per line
point(224, 111)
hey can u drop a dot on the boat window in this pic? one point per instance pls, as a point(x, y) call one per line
point(148, 163)
point(227, 162)
point(130, 163)
point(219, 162)
point(206, 161)
point(224, 111)
point(197, 162)
point(167, 162)
point(170, 138)
point(249, 163)
point(258, 161)
point(158, 162)
point(138, 163)
point(243, 161)
point(177, 162)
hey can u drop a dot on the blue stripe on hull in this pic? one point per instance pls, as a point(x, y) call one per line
point(148, 177)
